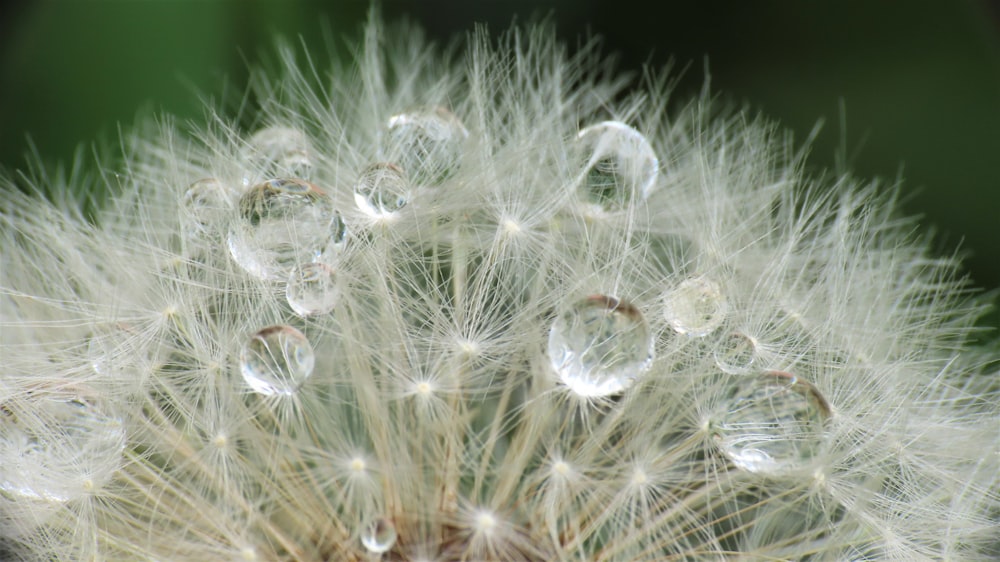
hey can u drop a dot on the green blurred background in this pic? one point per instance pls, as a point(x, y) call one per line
point(919, 80)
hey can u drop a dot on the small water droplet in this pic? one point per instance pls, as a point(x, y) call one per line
point(427, 143)
point(283, 223)
point(620, 165)
point(278, 152)
point(379, 536)
point(773, 422)
point(277, 360)
point(696, 307)
point(382, 190)
point(311, 289)
point(58, 449)
point(599, 346)
point(736, 353)
point(205, 208)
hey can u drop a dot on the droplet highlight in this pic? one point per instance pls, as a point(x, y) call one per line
point(426, 143)
point(278, 152)
point(774, 422)
point(599, 346)
point(619, 165)
point(283, 223)
point(379, 536)
point(696, 307)
point(382, 190)
point(312, 289)
point(277, 361)
point(736, 353)
point(58, 449)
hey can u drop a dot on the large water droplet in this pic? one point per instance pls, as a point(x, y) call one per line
point(773, 422)
point(426, 143)
point(58, 449)
point(283, 223)
point(378, 536)
point(278, 152)
point(205, 208)
point(619, 165)
point(312, 289)
point(599, 346)
point(277, 360)
point(736, 353)
point(382, 190)
point(696, 307)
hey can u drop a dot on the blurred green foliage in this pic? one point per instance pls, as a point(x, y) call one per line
point(919, 82)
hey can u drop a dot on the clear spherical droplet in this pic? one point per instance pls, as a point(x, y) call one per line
point(599, 346)
point(426, 143)
point(277, 360)
point(696, 307)
point(278, 152)
point(736, 353)
point(205, 208)
point(619, 165)
point(312, 289)
point(382, 190)
point(379, 536)
point(58, 449)
point(773, 423)
point(283, 223)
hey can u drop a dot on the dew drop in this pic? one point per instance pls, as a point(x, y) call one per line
point(279, 151)
point(205, 208)
point(378, 536)
point(599, 346)
point(382, 190)
point(427, 143)
point(620, 165)
point(283, 223)
point(58, 449)
point(773, 423)
point(736, 353)
point(696, 307)
point(277, 360)
point(312, 289)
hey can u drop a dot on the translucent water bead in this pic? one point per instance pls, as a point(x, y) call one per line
point(277, 360)
point(696, 307)
point(278, 151)
point(282, 223)
point(619, 165)
point(378, 536)
point(426, 143)
point(773, 422)
point(312, 289)
point(58, 449)
point(382, 189)
point(736, 353)
point(599, 346)
point(205, 207)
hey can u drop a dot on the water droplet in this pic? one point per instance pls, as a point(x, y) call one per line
point(382, 190)
point(619, 165)
point(426, 143)
point(736, 353)
point(599, 346)
point(278, 152)
point(312, 289)
point(205, 207)
point(379, 536)
point(773, 423)
point(283, 223)
point(277, 360)
point(58, 449)
point(696, 307)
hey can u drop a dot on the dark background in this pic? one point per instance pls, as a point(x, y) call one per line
point(919, 80)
